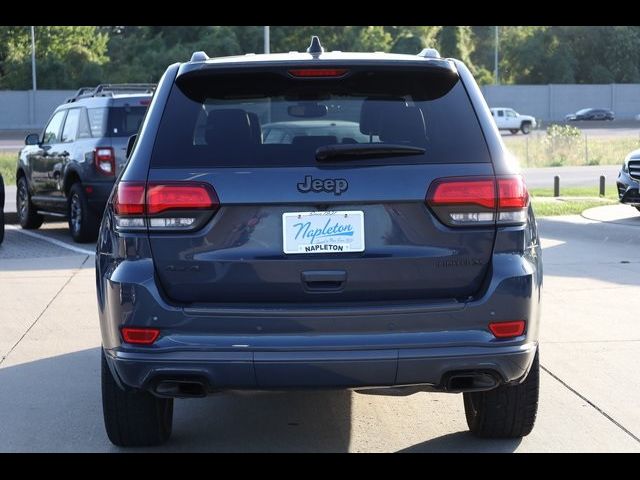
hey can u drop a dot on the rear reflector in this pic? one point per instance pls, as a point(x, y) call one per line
point(140, 336)
point(318, 72)
point(507, 329)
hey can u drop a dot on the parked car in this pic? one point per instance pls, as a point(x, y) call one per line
point(407, 261)
point(286, 132)
point(69, 169)
point(628, 181)
point(509, 119)
point(590, 114)
point(1, 209)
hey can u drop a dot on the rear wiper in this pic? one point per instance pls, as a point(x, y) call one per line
point(364, 150)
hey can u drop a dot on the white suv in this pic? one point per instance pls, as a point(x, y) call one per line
point(509, 119)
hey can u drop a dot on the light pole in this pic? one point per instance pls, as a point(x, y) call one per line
point(267, 47)
point(33, 57)
point(496, 78)
point(33, 75)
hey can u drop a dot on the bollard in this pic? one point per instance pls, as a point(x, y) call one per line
point(556, 186)
point(602, 185)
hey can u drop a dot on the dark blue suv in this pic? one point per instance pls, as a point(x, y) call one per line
point(381, 239)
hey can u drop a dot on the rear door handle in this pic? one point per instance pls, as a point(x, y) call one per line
point(324, 280)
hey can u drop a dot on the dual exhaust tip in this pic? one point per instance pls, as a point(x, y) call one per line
point(181, 388)
point(470, 381)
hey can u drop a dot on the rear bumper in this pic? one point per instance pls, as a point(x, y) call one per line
point(98, 197)
point(219, 370)
point(265, 347)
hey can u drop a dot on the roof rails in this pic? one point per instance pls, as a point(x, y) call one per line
point(429, 53)
point(199, 57)
point(111, 89)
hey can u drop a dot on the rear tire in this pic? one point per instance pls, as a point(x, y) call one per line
point(526, 128)
point(508, 411)
point(514, 131)
point(83, 224)
point(28, 217)
point(638, 208)
point(134, 418)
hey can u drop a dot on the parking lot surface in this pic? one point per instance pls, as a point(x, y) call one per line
point(590, 339)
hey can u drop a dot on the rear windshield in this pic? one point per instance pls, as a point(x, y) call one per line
point(270, 118)
point(115, 121)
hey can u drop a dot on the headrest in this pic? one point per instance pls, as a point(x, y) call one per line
point(229, 126)
point(372, 111)
point(402, 124)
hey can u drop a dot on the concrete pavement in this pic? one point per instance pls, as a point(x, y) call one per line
point(590, 393)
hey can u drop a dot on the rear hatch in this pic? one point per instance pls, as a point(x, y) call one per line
point(318, 215)
point(114, 125)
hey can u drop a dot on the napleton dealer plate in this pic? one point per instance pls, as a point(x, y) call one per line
point(323, 232)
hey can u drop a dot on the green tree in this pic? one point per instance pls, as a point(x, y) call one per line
point(65, 56)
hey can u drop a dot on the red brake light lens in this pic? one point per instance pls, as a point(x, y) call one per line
point(480, 192)
point(140, 336)
point(469, 201)
point(512, 193)
point(318, 72)
point(507, 329)
point(187, 196)
point(105, 160)
point(129, 199)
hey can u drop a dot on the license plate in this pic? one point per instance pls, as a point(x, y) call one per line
point(323, 232)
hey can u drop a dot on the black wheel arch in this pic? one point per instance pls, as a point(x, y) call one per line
point(71, 176)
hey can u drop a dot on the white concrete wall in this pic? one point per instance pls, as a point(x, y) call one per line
point(19, 111)
point(553, 102)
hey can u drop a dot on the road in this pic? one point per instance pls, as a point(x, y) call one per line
point(571, 176)
point(590, 393)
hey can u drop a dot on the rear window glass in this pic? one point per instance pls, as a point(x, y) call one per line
point(266, 119)
point(115, 121)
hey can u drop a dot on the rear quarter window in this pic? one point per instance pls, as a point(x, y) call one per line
point(115, 121)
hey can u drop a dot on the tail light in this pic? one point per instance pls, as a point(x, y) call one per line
point(513, 200)
point(477, 201)
point(105, 160)
point(172, 206)
point(140, 336)
point(507, 329)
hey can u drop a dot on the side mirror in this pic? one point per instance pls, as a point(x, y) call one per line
point(32, 139)
point(130, 143)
